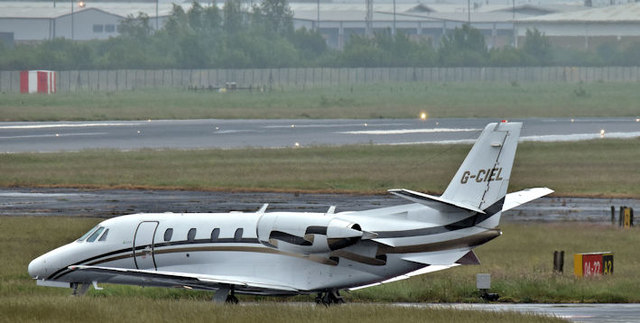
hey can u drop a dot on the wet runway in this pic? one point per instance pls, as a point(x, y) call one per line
point(603, 313)
point(227, 134)
point(109, 203)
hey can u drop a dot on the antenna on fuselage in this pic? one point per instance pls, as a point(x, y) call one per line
point(263, 208)
point(331, 210)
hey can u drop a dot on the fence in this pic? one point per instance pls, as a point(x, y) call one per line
point(114, 80)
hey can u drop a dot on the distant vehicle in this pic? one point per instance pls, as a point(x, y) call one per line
point(288, 253)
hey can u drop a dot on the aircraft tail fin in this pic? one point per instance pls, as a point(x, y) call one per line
point(482, 179)
point(480, 184)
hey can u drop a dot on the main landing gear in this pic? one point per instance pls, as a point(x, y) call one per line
point(329, 297)
point(225, 295)
point(231, 298)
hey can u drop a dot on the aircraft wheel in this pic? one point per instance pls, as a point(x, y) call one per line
point(231, 299)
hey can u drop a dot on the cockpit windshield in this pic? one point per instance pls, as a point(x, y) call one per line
point(94, 233)
point(84, 236)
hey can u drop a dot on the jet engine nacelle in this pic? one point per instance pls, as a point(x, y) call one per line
point(307, 233)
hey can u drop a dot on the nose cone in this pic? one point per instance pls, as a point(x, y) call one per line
point(37, 268)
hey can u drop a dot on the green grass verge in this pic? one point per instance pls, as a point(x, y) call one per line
point(132, 309)
point(604, 167)
point(393, 100)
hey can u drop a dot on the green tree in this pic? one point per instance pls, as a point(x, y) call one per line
point(629, 55)
point(609, 52)
point(195, 16)
point(233, 17)
point(212, 21)
point(310, 44)
point(386, 50)
point(538, 46)
point(136, 28)
point(360, 51)
point(278, 17)
point(507, 56)
point(178, 23)
point(463, 47)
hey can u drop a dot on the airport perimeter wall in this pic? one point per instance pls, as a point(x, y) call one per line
point(114, 80)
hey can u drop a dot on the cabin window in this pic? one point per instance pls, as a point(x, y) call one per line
point(168, 234)
point(191, 235)
point(238, 235)
point(98, 28)
point(95, 235)
point(84, 236)
point(109, 28)
point(104, 235)
point(215, 234)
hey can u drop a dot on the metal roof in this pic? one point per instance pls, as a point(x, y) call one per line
point(620, 13)
point(354, 16)
point(30, 9)
point(476, 17)
point(308, 11)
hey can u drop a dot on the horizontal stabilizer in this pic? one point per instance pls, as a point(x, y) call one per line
point(421, 271)
point(434, 202)
point(521, 197)
point(469, 259)
point(448, 257)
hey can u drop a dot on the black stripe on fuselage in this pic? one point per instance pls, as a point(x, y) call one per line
point(127, 252)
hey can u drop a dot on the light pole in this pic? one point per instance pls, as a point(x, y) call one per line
point(71, 19)
point(513, 23)
point(81, 4)
point(394, 18)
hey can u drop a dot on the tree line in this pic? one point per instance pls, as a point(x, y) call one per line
point(264, 37)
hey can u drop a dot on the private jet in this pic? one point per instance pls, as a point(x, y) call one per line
point(290, 253)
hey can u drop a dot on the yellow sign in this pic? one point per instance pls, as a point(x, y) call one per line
point(627, 217)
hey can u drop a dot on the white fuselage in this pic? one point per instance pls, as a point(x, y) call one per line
point(242, 245)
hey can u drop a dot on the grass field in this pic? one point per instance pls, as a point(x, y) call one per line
point(604, 167)
point(520, 263)
point(133, 309)
point(397, 100)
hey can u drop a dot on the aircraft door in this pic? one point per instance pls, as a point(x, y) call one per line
point(143, 245)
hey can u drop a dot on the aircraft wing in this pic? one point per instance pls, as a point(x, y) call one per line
point(188, 280)
point(515, 199)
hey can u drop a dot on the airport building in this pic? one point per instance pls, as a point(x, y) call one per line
point(502, 25)
point(587, 28)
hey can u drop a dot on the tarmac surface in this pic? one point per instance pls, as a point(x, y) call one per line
point(227, 134)
point(604, 313)
point(109, 203)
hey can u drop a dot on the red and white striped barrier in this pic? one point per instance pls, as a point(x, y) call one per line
point(38, 81)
